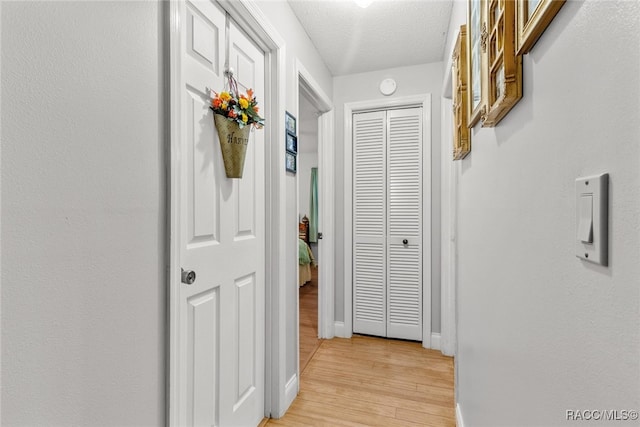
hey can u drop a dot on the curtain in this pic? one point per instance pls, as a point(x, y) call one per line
point(313, 207)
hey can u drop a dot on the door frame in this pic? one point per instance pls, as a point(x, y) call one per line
point(421, 100)
point(252, 20)
point(450, 171)
point(326, 282)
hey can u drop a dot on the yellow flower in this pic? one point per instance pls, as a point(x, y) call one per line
point(244, 117)
point(243, 103)
point(224, 106)
point(225, 96)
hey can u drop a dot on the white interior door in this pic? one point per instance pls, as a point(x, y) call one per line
point(369, 223)
point(387, 223)
point(221, 315)
point(404, 224)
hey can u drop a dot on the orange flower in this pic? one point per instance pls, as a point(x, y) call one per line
point(256, 109)
point(250, 93)
point(216, 102)
point(232, 114)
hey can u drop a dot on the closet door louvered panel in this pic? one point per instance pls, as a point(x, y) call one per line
point(369, 223)
point(404, 224)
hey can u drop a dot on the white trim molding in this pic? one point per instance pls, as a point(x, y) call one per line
point(291, 390)
point(326, 288)
point(424, 101)
point(459, 420)
point(435, 341)
point(449, 215)
point(339, 330)
point(308, 86)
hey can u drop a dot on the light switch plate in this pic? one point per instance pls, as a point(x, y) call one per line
point(592, 217)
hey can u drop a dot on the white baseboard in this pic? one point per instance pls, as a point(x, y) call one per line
point(435, 341)
point(459, 421)
point(339, 331)
point(290, 391)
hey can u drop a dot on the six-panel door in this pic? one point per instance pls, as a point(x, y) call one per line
point(222, 335)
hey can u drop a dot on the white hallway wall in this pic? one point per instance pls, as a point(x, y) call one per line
point(83, 286)
point(539, 331)
point(426, 78)
point(298, 46)
point(83, 209)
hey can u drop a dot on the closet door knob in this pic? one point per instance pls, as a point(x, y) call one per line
point(405, 242)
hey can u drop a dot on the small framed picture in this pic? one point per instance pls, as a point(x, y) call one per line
point(290, 123)
point(292, 143)
point(290, 161)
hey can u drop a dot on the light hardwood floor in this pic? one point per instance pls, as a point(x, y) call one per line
point(375, 382)
point(309, 341)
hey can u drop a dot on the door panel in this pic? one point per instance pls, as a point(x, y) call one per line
point(203, 347)
point(222, 314)
point(404, 223)
point(369, 187)
point(200, 308)
point(245, 216)
point(245, 382)
point(202, 184)
point(404, 300)
point(242, 58)
point(369, 299)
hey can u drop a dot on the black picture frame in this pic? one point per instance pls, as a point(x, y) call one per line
point(290, 123)
point(291, 143)
point(291, 162)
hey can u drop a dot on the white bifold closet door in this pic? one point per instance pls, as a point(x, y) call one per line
point(387, 223)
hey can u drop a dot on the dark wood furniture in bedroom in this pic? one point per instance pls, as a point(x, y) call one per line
point(303, 229)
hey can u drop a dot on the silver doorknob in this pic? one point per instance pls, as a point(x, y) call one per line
point(405, 242)
point(188, 276)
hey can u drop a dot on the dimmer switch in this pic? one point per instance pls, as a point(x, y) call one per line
point(592, 218)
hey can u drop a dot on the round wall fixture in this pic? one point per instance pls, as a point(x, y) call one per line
point(387, 87)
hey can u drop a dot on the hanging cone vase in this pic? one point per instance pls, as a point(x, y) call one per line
point(233, 143)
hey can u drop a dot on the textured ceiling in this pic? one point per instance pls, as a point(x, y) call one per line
point(389, 33)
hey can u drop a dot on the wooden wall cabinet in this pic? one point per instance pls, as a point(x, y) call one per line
point(461, 132)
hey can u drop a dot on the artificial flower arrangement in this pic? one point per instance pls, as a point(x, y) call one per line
point(240, 108)
point(234, 116)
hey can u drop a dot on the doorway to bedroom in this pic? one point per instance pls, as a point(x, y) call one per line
point(315, 189)
point(308, 233)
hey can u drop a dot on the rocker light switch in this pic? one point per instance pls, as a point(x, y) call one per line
point(585, 226)
point(592, 234)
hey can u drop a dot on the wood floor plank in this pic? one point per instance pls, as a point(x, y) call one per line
point(349, 395)
point(349, 415)
point(426, 419)
point(309, 341)
point(367, 381)
point(356, 404)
